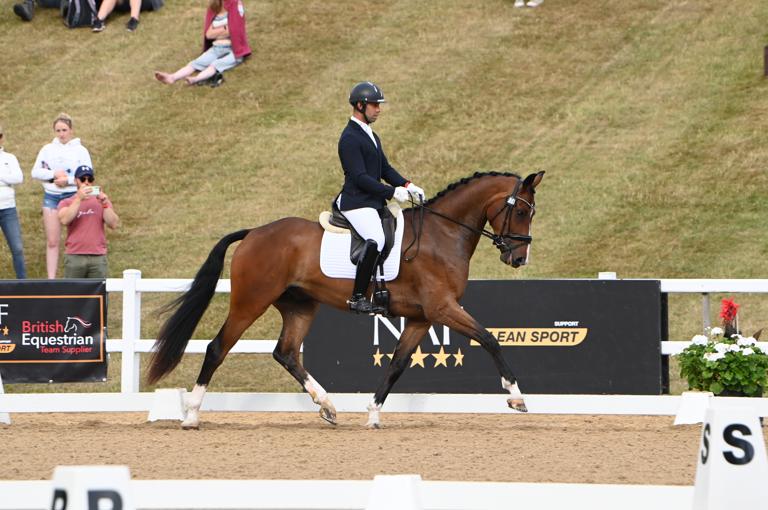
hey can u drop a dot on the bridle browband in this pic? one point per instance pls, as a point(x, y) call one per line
point(500, 241)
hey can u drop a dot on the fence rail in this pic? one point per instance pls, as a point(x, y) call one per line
point(132, 286)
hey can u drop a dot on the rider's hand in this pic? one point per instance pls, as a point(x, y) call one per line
point(401, 194)
point(415, 191)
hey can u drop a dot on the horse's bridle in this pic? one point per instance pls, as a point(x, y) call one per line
point(500, 241)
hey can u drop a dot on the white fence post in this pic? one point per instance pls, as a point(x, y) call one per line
point(131, 364)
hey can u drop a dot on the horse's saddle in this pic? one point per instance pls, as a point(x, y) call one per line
point(357, 246)
point(341, 247)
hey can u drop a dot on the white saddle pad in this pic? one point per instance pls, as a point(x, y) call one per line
point(334, 254)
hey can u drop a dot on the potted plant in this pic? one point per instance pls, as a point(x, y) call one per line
point(724, 362)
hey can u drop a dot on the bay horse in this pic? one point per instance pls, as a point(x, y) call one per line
point(278, 265)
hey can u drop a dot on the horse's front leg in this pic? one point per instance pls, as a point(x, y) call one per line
point(410, 337)
point(456, 318)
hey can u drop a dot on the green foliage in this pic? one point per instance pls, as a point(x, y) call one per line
point(717, 363)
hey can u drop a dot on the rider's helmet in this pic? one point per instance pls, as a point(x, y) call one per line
point(366, 92)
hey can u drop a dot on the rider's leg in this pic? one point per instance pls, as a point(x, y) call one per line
point(365, 268)
point(367, 223)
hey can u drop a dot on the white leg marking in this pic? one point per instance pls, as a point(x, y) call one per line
point(515, 401)
point(317, 392)
point(511, 388)
point(373, 415)
point(320, 397)
point(192, 403)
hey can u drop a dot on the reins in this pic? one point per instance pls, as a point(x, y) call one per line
point(499, 240)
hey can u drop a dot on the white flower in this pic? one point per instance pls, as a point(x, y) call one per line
point(733, 348)
point(746, 341)
point(714, 356)
point(699, 340)
point(715, 331)
point(722, 348)
point(747, 351)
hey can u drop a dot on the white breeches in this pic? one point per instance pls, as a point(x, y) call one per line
point(367, 223)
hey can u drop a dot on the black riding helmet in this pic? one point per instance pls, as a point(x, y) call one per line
point(365, 92)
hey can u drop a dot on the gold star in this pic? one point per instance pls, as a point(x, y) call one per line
point(5, 330)
point(441, 358)
point(458, 359)
point(377, 358)
point(417, 358)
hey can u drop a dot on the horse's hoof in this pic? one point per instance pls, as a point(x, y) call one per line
point(328, 415)
point(517, 405)
point(373, 426)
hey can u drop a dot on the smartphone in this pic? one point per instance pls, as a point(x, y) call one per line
point(95, 190)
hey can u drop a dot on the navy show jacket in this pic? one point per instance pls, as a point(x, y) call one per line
point(365, 165)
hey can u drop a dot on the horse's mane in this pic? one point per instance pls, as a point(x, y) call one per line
point(466, 180)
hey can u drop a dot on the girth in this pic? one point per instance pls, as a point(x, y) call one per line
point(357, 246)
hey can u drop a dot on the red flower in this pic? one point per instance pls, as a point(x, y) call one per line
point(728, 310)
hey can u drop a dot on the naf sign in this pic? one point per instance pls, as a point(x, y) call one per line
point(559, 336)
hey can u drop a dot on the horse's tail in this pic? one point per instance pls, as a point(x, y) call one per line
point(177, 330)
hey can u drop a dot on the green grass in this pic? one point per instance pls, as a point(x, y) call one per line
point(646, 114)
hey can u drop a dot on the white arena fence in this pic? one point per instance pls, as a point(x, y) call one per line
point(132, 286)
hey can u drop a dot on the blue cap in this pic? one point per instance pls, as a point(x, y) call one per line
point(83, 170)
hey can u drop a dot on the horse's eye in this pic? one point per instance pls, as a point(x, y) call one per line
point(522, 213)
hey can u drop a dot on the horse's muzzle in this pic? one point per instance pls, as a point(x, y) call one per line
point(508, 257)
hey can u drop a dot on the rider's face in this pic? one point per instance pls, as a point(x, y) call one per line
point(372, 111)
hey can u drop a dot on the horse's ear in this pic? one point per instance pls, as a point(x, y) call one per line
point(533, 180)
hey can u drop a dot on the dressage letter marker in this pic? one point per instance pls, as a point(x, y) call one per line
point(91, 488)
point(732, 466)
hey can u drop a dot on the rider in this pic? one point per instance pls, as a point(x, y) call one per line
point(364, 163)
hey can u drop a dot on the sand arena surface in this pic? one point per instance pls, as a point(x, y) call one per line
point(497, 447)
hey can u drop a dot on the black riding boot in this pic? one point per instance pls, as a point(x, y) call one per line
point(365, 267)
point(25, 10)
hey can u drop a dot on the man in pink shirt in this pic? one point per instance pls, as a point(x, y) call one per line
point(85, 214)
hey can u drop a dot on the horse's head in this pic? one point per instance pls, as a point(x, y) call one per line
point(510, 214)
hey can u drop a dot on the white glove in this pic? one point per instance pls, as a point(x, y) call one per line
point(401, 194)
point(416, 192)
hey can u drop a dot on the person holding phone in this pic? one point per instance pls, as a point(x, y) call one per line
point(85, 214)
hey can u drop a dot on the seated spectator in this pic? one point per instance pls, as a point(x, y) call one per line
point(10, 175)
point(225, 45)
point(85, 215)
point(107, 6)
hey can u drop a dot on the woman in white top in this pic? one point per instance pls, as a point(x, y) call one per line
point(55, 167)
point(10, 175)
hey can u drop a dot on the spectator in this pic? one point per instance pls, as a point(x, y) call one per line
point(106, 8)
point(10, 174)
point(55, 166)
point(85, 215)
point(225, 45)
point(531, 3)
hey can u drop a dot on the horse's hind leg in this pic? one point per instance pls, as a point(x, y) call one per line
point(409, 339)
point(298, 311)
point(215, 353)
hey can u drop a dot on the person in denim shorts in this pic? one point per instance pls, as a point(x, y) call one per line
point(225, 45)
point(55, 166)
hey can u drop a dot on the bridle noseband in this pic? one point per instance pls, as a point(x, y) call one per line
point(500, 241)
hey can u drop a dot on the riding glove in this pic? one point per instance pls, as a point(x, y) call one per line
point(415, 191)
point(400, 194)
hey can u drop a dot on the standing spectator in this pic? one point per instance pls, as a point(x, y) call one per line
point(107, 6)
point(225, 45)
point(85, 215)
point(10, 174)
point(55, 166)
